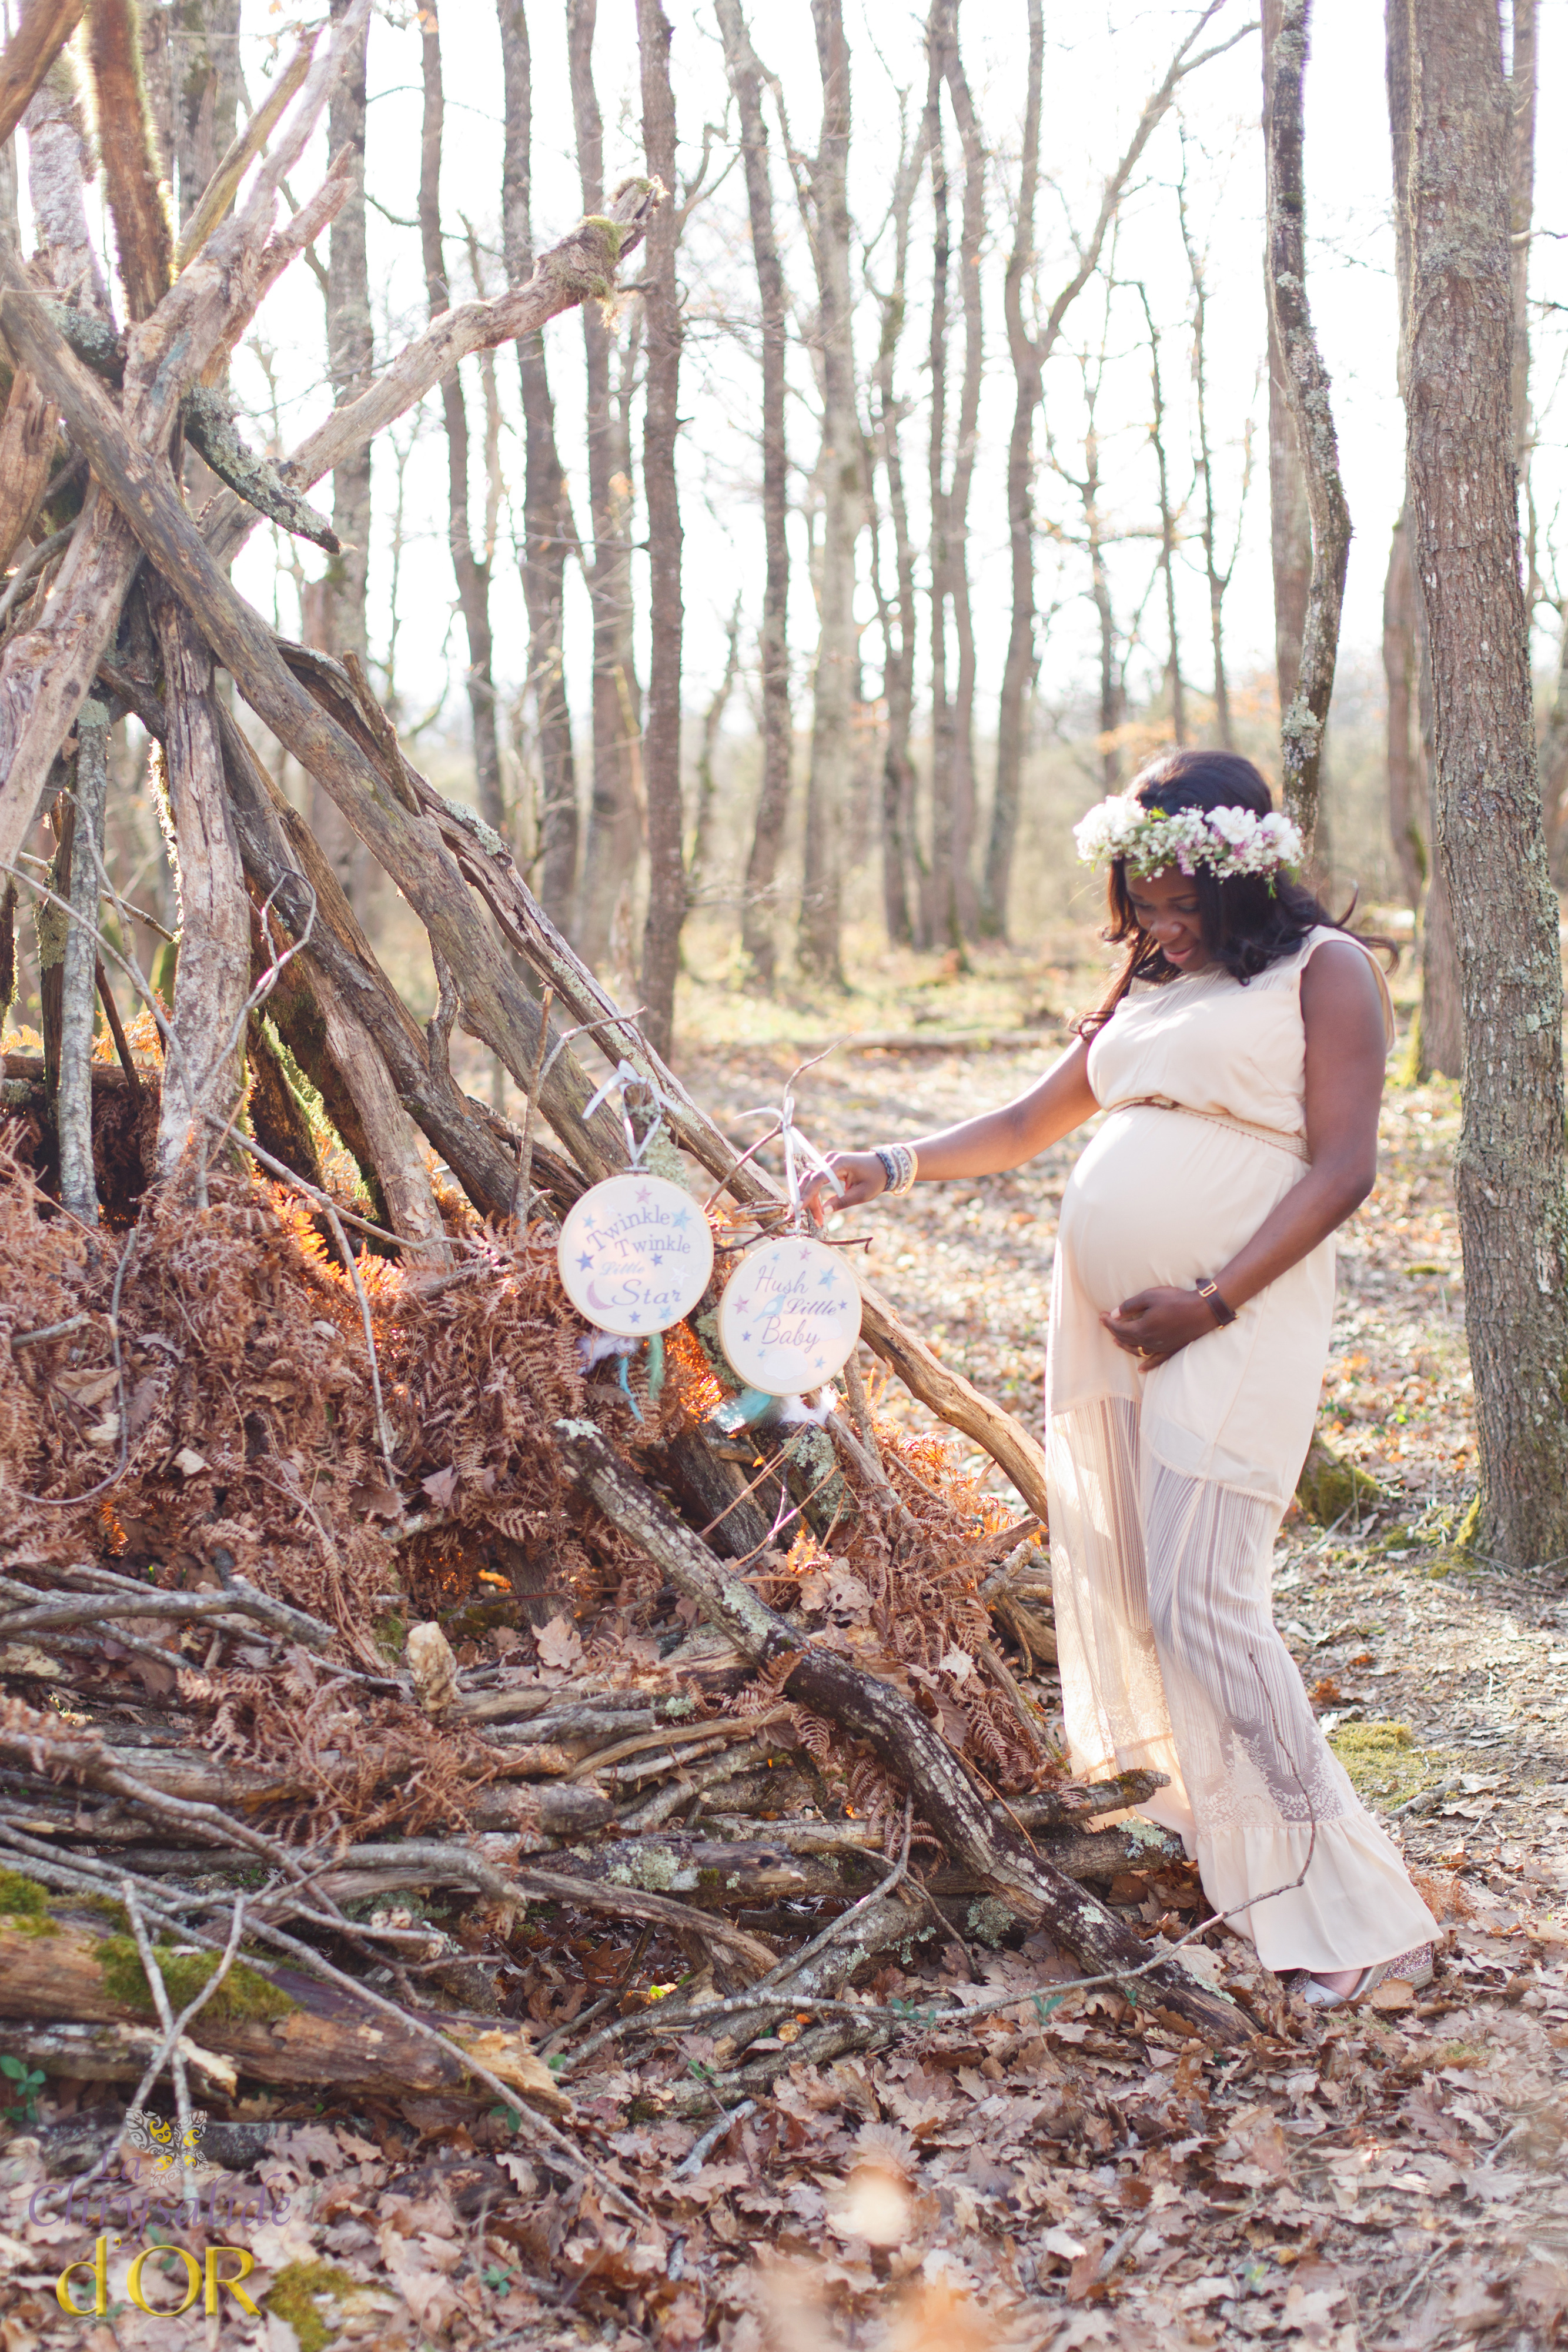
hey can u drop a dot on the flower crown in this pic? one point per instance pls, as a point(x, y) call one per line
point(1224, 841)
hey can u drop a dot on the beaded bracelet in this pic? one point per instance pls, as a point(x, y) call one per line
point(900, 1168)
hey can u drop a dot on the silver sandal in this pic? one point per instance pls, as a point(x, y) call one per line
point(1414, 1969)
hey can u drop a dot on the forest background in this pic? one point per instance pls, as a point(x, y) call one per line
point(1149, 481)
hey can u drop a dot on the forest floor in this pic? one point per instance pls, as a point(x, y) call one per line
point(1391, 2177)
point(1069, 2175)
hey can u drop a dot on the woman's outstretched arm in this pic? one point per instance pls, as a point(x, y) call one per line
point(1051, 1108)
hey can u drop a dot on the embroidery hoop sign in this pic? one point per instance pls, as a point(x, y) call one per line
point(635, 1254)
point(789, 1317)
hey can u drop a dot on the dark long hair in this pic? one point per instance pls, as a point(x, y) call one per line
point(1247, 920)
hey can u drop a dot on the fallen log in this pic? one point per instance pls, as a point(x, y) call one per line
point(282, 2027)
point(907, 1743)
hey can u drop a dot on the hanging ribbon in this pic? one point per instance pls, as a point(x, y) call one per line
point(601, 1345)
point(799, 1152)
point(622, 1077)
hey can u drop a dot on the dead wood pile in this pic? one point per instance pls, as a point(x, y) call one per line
point(387, 1681)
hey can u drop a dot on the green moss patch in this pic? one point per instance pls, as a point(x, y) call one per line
point(292, 2297)
point(1385, 1765)
point(23, 1905)
point(1329, 1486)
point(243, 1996)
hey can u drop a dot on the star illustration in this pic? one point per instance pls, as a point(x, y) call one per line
point(642, 1194)
point(681, 1221)
point(586, 1263)
point(820, 1362)
point(587, 1221)
point(829, 1278)
point(633, 1318)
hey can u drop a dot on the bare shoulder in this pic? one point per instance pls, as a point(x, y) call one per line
point(1340, 989)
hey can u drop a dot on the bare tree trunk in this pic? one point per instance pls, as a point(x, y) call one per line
point(843, 473)
point(472, 569)
point(1440, 1039)
point(661, 733)
point(971, 236)
point(1290, 531)
point(1520, 208)
point(1511, 1176)
point(1019, 667)
point(612, 813)
point(941, 918)
point(549, 531)
point(900, 848)
point(756, 939)
point(200, 45)
point(1306, 381)
point(1218, 579)
point(707, 782)
point(338, 622)
point(213, 976)
point(56, 176)
point(1167, 525)
point(1401, 673)
point(73, 1096)
point(611, 846)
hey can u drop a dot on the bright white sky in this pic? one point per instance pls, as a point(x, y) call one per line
point(1100, 64)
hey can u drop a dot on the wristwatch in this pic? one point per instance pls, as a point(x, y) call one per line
point(1208, 1290)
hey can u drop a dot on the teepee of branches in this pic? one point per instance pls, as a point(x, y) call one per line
point(121, 602)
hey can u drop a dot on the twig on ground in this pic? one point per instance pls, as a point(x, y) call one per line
point(703, 2149)
point(166, 2019)
point(173, 2029)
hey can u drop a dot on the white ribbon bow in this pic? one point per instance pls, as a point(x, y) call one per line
point(799, 1151)
point(622, 1077)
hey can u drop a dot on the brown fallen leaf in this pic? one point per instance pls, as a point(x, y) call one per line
point(508, 2053)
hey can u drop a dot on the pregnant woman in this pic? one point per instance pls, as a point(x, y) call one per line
point(1239, 1057)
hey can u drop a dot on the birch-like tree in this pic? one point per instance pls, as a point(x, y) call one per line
point(1286, 29)
point(470, 562)
point(611, 353)
point(748, 79)
point(823, 183)
point(549, 534)
point(661, 733)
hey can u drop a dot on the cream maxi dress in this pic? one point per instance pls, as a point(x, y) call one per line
point(1168, 1486)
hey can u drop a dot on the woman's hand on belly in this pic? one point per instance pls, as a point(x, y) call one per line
point(1156, 1325)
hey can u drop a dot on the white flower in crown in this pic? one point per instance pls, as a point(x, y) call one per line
point(1224, 842)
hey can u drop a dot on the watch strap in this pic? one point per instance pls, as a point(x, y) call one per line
point(1208, 1291)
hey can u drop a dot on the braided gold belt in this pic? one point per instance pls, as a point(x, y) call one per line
point(1294, 1144)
